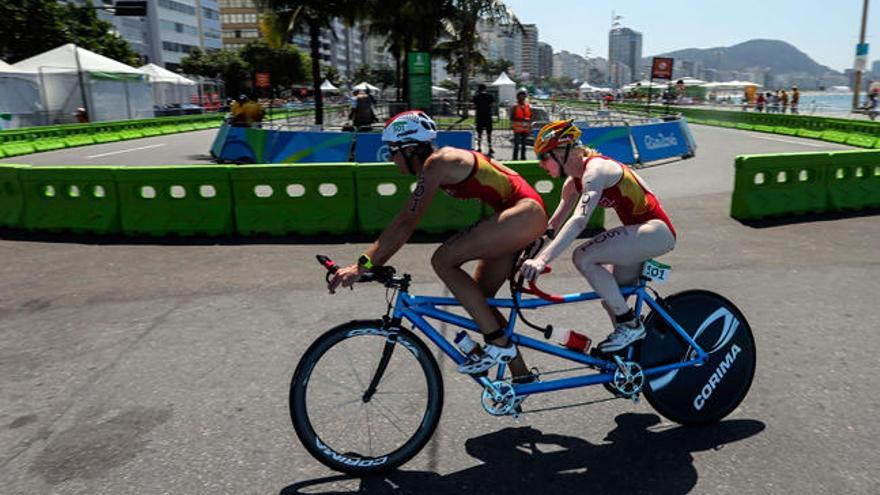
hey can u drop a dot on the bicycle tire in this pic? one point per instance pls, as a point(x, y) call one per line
point(699, 394)
point(352, 462)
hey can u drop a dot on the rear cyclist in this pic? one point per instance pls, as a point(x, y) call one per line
point(615, 256)
point(518, 220)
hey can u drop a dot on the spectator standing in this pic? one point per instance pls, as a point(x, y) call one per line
point(521, 122)
point(759, 103)
point(483, 102)
point(795, 98)
point(82, 117)
point(246, 112)
point(362, 114)
point(784, 99)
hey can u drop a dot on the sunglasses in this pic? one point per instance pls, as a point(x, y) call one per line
point(549, 154)
point(395, 148)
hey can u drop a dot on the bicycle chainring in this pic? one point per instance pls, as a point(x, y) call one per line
point(500, 404)
point(630, 382)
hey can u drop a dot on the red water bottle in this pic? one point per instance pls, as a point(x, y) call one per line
point(570, 339)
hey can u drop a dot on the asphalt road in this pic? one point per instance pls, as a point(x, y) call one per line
point(163, 367)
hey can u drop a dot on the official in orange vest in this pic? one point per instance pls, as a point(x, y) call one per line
point(521, 121)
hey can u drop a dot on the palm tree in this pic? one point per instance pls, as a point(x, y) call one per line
point(310, 16)
point(406, 24)
point(462, 50)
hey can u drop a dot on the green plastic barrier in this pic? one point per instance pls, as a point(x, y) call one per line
point(550, 189)
point(861, 140)
point(168, 129)
point(151, 131)
point(184, 200)
point(745, 127)
point(131, 134)
point(382, 191)
point(298, 199)
point(2, 153)
point(49, 144)
point(75, 199)
point(763, 128)
point(854, 180)
point(185, 127)
point(771, 185)
point(788, 131)
point(11, 196)
point(808, 133)
point(17, 148)
point(78, 140)
point(835, 136)
point(106, 137)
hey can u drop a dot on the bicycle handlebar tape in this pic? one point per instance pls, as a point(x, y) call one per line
point(327, 263)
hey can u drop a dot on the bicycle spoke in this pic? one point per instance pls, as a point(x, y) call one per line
point(369, 431)
point(393, 422)
point(398, 393)
point(324, 379)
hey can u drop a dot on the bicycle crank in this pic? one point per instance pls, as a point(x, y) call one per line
point(628, 379)
point(499, 398)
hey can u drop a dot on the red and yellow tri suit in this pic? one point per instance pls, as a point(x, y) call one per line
point(631, 200)
point(499, 187)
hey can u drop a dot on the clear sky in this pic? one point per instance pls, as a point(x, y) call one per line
point(826, 30)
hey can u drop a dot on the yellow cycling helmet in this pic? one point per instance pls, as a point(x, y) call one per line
point(555, 134)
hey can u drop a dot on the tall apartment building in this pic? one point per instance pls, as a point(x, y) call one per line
point(567, 64)
point(529, 51)
point(545, 60)
point(625, 47)
point(171, 29)
point(241, 22)
point(503, 42)
point(345, 51)
point(619, 74)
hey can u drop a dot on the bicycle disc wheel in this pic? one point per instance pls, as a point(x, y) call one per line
point(352, 431)
point(706, 393)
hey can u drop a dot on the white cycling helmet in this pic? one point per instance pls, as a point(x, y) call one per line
point(410, 126)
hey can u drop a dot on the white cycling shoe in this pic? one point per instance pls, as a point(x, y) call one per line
point(492, 355)
point(622, 336)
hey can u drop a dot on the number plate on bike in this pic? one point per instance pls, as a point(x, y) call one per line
point(656, 271)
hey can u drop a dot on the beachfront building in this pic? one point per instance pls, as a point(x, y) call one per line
point(572, 65)
point(545, 60)
point(625, 47)
point(170, 30)
point(240, 20)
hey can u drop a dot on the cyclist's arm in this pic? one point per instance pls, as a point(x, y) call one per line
point(404, 224)
point(567, 200)
point(594, 180)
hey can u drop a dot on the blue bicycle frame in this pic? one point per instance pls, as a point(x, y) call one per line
point(417, 308)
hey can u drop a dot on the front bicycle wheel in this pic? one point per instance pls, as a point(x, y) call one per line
point(706, 393)
point(366, 399)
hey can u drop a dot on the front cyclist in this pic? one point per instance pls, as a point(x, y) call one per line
point(613, 257)
point(518, 220)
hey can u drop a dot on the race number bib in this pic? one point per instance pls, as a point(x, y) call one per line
point(656, 271)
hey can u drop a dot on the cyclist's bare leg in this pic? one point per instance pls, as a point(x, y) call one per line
point(503, 233)
point(625, 245)
point(490, 275)
point(624, 275)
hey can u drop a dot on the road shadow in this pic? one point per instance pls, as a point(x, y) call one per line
point(636, 459)
point(201, 240)
point(808, 218)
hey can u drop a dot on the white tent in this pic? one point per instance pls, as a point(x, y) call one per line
point(328, 87)
point(365, 86)
point(169, 88)
point(440, 92)
point(506, 89)
point(113, 90)
point(20, 101)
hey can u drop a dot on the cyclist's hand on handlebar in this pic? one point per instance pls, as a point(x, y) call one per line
point(345, 277)
point(531, 269)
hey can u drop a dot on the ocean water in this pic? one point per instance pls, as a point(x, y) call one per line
point(829, 103)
